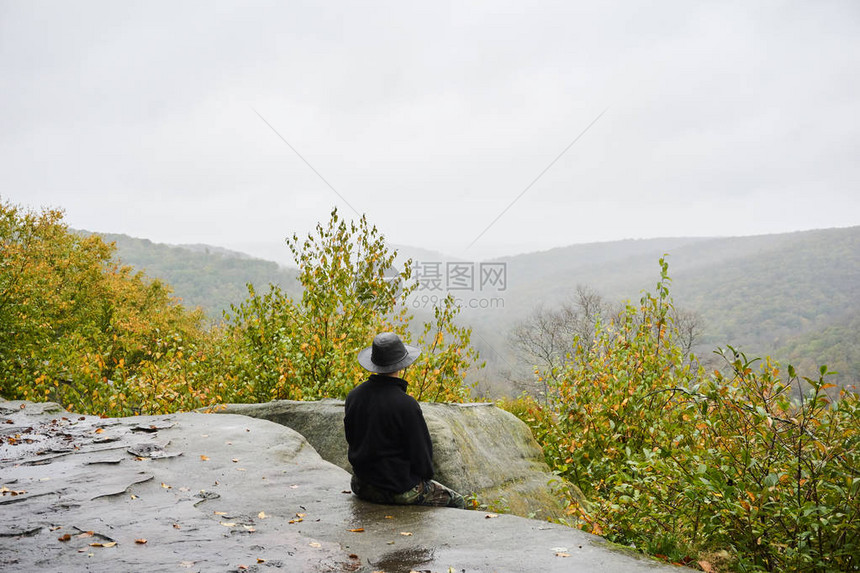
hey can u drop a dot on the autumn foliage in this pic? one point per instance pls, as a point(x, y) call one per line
point(745, 467)
point(78, 328)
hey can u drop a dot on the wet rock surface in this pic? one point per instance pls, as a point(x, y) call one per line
point(199, 492)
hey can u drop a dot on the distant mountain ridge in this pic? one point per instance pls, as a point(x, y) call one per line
point(205, 276)
point(793, 295)
point(767, 294)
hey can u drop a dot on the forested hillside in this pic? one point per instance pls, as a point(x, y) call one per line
point(209, 277)
point(794, 296)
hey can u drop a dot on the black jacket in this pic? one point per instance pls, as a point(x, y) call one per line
point(389, 444)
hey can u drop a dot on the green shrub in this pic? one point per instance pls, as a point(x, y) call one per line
point(683, 464)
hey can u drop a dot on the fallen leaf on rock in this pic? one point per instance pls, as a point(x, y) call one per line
point(357, 530)
point(176, 526)
point(242, 567)
point(227, 523)
point(204, 458)
point(235, 460)
point(186, 564)
point(65, 537)
point(314, 544)
point(389, 517)
point(220, 512)
point(133, 496)
point(250, 528)
point(353, 556)
point(294, 486)
point(98, 544)
point(140, 541)
point(84, 534)
point(301, 515)
point(262, 515)
point(165, 486)
point(562, 554)
point(99, 430)
point(491, 516)
point(406, 533)
point(260, 560)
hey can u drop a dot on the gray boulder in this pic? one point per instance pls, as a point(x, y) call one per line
point(478, 449)
point(197, 492)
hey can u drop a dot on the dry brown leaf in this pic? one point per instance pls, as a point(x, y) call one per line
point(227, 523)
point(85, 534)
point(262, 515)
point(706, 567)
point(357, 530)
point(165, 486)
point(204, 458)
point(220, 512)
point(99, 430)
point(389, 517)
point(560, 554)
point(176, 526)
point(140, 541)
point(260, 560)
point(491, 516)
point(108, 544)
point(301, 514)
point(406, 533)
point(314, 544)
point(65, 537)
point(235, 460)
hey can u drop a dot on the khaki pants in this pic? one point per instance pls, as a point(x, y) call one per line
point(427, 492)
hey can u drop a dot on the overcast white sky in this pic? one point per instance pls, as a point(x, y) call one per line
point(721, 118)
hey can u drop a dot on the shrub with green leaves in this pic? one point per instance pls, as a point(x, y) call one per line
point(685, 464)
point(307, 349)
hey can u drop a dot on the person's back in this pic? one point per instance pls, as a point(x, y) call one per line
point(389, 444)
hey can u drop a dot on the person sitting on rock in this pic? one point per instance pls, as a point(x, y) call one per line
point(389, 443)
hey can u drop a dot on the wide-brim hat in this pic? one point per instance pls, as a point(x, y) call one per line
point(387, 354)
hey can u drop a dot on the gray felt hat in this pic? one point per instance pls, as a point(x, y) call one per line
point(388, 354)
